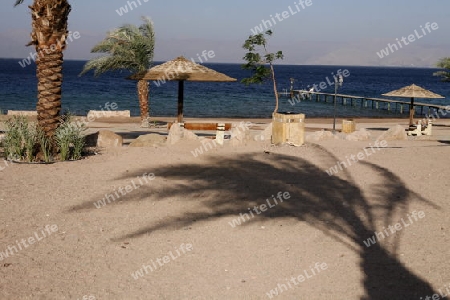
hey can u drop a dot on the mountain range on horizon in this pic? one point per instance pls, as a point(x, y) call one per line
point(297, 52)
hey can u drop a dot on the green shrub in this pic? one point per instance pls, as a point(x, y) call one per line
point(78, 145)
point(62, 138)
point(29, 135)
point(69, 138)
point(20, 139)
point(44, 143)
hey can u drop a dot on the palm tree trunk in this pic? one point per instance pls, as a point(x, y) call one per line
point(49, 74)
point(49, 33)
point(142, 87)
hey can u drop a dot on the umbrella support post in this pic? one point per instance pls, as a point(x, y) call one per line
point(411, 112)
point(180, 100)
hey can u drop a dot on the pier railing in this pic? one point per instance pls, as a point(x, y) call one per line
point(363, 102)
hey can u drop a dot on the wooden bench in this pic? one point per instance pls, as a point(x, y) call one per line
point(220, 128)
point(201, 126)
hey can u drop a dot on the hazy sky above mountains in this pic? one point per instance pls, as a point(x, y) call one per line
point(326, 32)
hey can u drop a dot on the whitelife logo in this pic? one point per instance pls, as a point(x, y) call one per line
point(33, 56)
point(183, 249)
point(25, 243)
point(267, 24)
point(262, 208)
point(384, 233)
point(280, 288)
point(171, 74)
point(211, 144)
point(356, 158)
point(405, 41)
point(124, 190)
point(130, 4)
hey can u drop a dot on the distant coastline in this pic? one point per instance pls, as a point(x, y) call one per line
point(278, 63)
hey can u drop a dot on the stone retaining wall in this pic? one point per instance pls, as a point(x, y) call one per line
point(108, 114)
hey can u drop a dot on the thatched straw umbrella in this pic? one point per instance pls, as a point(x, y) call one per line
point(413, 91)
point(181, 70)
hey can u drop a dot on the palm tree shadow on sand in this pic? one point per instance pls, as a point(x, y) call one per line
point(229, 185)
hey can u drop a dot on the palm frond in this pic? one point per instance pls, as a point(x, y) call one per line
point(104, 46)
point(107, 63)
point(147, 29)
point(18, 2)
point(127, 47)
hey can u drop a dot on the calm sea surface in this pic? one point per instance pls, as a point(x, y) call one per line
point(205, 99)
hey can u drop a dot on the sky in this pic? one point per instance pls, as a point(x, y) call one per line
point(325, 32)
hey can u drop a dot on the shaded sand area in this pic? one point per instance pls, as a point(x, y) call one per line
point(378, 229)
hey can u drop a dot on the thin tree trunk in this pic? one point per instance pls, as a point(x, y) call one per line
point(274, 88)
point(143, 91)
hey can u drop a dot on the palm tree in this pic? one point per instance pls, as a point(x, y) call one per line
point(48, 35)
point(131, 48)
point(444, 63)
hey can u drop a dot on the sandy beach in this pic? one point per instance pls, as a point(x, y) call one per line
point(252, 221)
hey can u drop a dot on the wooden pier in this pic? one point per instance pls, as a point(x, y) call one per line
point(363, 102)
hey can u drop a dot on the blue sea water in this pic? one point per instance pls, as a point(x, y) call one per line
point(207, 99)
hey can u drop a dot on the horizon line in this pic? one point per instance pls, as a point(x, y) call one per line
point(281, 64)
